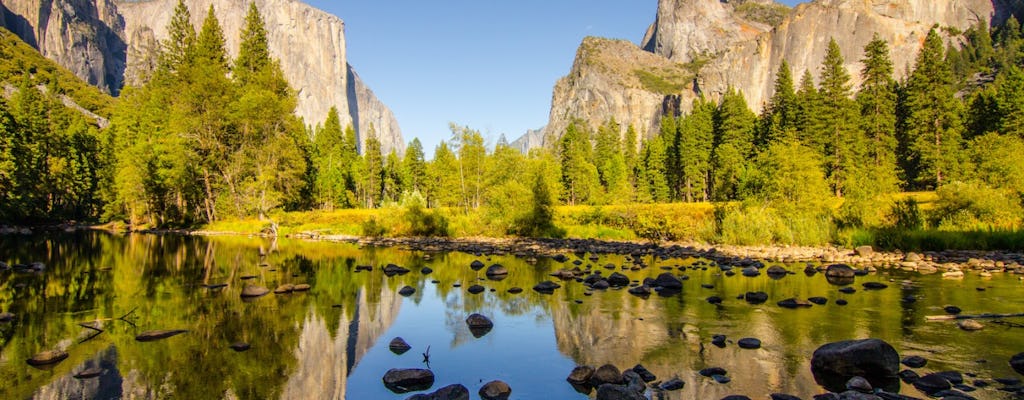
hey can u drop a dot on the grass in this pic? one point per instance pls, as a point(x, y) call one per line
point(726, 223)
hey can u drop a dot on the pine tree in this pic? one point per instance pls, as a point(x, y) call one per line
point(778, 122)
point(579, 175)
point(933, 122)
point(630, 147)
point(611, 163)
point(841, 138)
point(808, 119)
point(877, 100)
point(392, 177)
point(329, 162)
point(1010, 101)
point(373, 181)
point(654, 185)
point(178, 48)
point(8, 164)
point(254, 50)
point(415, 167)
point(697, 130)
point(733, 145)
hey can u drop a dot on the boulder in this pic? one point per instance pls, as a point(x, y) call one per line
point(477, 321)
point(749, 343)
point(151, 336)
point(875, 360)
point(712, 371)
point(407, 291)
point(240, 346)
point(776, 270)
point(392, 270)
point(409, 380)
point(672, 384)
point(839, 271)
point(476, 265)
point(450, 392)
point(668, 281)
point(580, 375)
point(496, 270)
point(1017, 362)
point(932, 383)
point(783, 396)
point(48, 357)
point(546, 287)
point(302, 287)
point(794, 303)
point(476, 289)
point(495, 390)
point(399, 346)
point(755, 297)
point(818, 300)
point(645, 374)
point(618, 280)
point(860, 385)
point(952, 310)
point(751, 272)
point(641, 291)
point(606, 374)
point(618, 392)
point(515, 290)
point(864, 251)
point(874, 285)
point(970, 325)
point(253, 291)
point(284, 289)
point(914, 361)
point(90, 373)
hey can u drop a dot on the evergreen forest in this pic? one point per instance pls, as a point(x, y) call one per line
point(208, 139)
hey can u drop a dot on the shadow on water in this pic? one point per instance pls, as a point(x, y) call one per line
point(332, 341)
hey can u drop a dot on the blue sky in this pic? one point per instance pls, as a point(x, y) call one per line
point(490, 65)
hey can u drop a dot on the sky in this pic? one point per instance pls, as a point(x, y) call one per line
point(488, 65)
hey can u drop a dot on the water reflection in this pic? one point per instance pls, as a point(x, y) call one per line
point(331, 342)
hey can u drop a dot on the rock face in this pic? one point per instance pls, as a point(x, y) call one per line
point(713, 46)
point(110, 43)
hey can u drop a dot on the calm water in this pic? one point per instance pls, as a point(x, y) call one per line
point(332, 342)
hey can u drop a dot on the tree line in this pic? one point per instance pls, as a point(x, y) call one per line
point(208, 137)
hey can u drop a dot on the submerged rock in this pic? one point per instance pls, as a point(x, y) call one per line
point(392, 270)
point(914, 361)
point(970, 325)
point(240, 346)
point(756, 297)
point(645, 374)
point(606, 374)
point(672, 384)
point(668, 281)
point(409, 380)
point(284, 289)
point(1017, 363)
point(399, 346)
point(90, 373)
point(546, 287)
point(835, 363)
point(48, 357)
point(495, 390)
point(476, 289)
point(794, 303)
point(618, 392)
point(406, 291)
point(749, 343)
point(874, 285)
point(450, 392)
point(151, 336)
point(932, 383)
point(253, 291)
point(580, 375)
point(496, 270)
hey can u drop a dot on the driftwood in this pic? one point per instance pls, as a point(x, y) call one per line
point(934, 318)
point(90, 324)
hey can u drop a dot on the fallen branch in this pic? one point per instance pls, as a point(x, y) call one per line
point(934, 318)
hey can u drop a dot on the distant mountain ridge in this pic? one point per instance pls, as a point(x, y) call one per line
point(702, 47)
point(109, 43)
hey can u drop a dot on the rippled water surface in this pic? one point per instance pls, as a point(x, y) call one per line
point(332, 342)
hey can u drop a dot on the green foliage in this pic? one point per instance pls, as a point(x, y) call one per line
point(770, 14)
point(973, 206)
point(778, 121)
point(540, 220)
point(663, 82)
point(421, 222)
point(580, 179)
point(906, 215)
point(373, 228)
point(877, 101)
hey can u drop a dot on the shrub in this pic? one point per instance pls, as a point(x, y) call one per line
point(540, 220)
point(905, 214)
point(372, 228)
point(422, 222)
point(973, 206)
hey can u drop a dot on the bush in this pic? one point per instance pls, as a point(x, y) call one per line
point(540, 220)
point(372, 228)
point(975, 206)
point(420, 221)
point(905, 214)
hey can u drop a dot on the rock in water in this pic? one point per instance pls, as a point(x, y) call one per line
point(399, 346)
point(874, 285)
point(406, 291)
point(476, 265)
point(151, 336)
point(240, 346)
point(450, 392)
point(409, 380)
point(618, 392)
point(495, 390)
point(618, 280)
point(645, 374)
point(914, 361)
point(476, 289)
point(970, 325)
point(89, 373)
point(253, 291)
point(48, 357)
point(496, 270)
point(1017, 362)
point(794, 303)
point(672, 384)
point(835, 363)
point(479, 321)
point(932, 383)
point(6, 317)
point(302, 287)
point(756, 297)
point(839, 271)
point(546, 287)
point(668, 281)
point(284, 289)
point(859, 384)
point(606, 374)
point(580, 375)
point(749, 343)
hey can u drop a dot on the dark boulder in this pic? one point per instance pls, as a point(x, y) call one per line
point(672, 384)
point(875, 360)
point(48, 357)
point(392, 270)
point(426, 271)
point(89, 373)
point(711, 371)
point(600, 285)
point(495, 390)
point(399, 346)
point(477, 321)
point(839, 271)
point(794, 303)
point(718, 340)
point(476, 289)
point(932, 383)
point(606, 374)
point(668, 281)
point(953, 377)
point(450, 392)
point(914, 361)
point(751, 272)
point(735, 397)
point(618, 280)
point(847, 290)
point(515, 290)
point(409, 380)
point(756, 297)
point(874, 285)
point(641, 291)
point(645, 374)
point(546, 287)
point(580, 375)
point(497, 271)
point(407, 291)
point(714, 300)
point(618, 392)
point(477, 265)
point(776, 270)
point(952, 310)
point(151, 336)
point(240, 346)
point(909, 376)
point(818, 300)
point(783, 396)
point(749, 343)
point(1017, 362)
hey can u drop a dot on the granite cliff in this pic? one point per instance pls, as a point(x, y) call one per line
point(110, 43)
point(741, 44)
